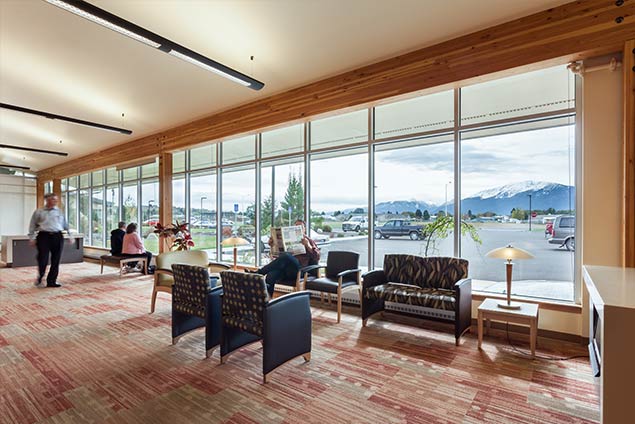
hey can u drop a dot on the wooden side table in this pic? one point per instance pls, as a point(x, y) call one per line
point(526, 315)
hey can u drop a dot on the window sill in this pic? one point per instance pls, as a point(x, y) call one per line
point(550, 305)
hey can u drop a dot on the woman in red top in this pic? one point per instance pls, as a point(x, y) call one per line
point(133, 245)
point(286, 266)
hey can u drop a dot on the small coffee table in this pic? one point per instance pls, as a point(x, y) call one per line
point(526, 315)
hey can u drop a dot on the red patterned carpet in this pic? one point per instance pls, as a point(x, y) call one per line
point(90, 352)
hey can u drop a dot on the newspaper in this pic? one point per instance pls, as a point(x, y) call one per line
point(287, 239)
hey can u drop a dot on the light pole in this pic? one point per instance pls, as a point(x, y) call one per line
point(202, 198)
point(446, 197)
point(150, 202)
point(529, 195)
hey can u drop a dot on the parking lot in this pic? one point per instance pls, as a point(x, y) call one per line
point(549, 275)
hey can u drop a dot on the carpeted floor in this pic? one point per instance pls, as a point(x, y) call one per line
point(90, 352)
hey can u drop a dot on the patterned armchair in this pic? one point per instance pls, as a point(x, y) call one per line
point(434, 283)
point(342, 273)
point(195, 304)
point(163, 278)
point(248, 315)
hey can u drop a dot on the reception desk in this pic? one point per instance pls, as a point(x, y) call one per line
point(17, 251)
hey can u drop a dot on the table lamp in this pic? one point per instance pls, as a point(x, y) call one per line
point(509, 253)
point(234, 242)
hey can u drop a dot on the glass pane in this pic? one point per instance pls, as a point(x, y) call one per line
point(129, 210)
point(203, 212)
point(97, 214)
point(131, 173)
point(540, 91)
point(421, 114)
point(72, 211)
point(149, 214)
point(239, 150)
point(178, 161)
point(178, 198)
point(339, 189)
point(112, 209)
point(84, 205)
point(73, 183)
point(519, 188)
point(112, 175)
point(283, 141)
point(412, 218)
point(150, 169)
point(238, 212)
point(98, 178)
point(203, 157)
point(84, 180)
point(282, 199)
point(340, 130)
point(65, 184)
point(48, 187)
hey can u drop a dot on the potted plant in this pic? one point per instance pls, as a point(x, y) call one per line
point(174, 236)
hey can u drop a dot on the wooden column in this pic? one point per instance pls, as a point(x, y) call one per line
point(57, 189)
point(39, 193)
point(629, 154)
point(165, 192)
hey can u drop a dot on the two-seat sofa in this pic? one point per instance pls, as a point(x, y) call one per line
point(432, 283)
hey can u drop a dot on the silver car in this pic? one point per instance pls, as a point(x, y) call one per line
point(563, 232)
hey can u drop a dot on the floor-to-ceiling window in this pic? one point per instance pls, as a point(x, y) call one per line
point(238, 211)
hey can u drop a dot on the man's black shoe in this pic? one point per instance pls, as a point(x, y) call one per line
point(38, 281)
point(54, 285)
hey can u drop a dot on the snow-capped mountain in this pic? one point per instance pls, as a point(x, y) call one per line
point(511, 190)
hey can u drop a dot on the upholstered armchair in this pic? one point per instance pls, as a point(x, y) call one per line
point(195, 304)
point(163, 277)
point(438, 286)
point(341, 273)
point(248, 315)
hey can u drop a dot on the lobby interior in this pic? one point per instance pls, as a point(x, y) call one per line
point(445, 161)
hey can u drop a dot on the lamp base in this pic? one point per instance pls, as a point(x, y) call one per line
point(504, 305)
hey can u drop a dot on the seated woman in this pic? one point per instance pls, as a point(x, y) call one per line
point(133, 244)
point(286, 266)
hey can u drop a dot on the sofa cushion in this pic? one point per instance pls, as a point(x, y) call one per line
point(413, 295)
point(425, 272)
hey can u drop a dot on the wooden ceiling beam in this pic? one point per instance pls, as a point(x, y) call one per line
point(573, 31)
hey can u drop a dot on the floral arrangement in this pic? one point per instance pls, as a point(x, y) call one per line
point(178, 233)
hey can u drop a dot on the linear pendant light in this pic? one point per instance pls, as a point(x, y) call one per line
point(64, 118)
point(127, 28)
point(31, 149)
point(7, 166)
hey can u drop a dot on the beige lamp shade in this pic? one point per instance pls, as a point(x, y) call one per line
point(234, 241)
point(509, 253)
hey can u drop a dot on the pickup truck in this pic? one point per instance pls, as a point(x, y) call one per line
point(399, 227)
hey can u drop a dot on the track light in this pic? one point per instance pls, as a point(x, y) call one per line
point(7, 166)
point(127, 28)
point(64, 118)
point(31, 149)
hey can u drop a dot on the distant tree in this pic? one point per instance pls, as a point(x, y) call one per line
point(426, 215)
point(418, 213)
point(337, 213)
point(520, 214)
point(358, 210)
point(469, 214)
point(440, 214)
point(551, 211)
point(293, 199)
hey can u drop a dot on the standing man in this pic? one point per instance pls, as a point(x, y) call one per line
point(48, 223)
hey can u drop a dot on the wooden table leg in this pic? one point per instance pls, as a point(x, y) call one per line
point(533, 330)
point(480, 329)
point(488, 325)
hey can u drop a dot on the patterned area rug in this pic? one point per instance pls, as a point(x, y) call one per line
point(90, 352)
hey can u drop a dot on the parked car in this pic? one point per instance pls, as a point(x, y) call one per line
point(355, 223)
point(399, 227)
point(563, 232)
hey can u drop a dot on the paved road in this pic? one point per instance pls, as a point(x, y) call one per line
point(552, 265)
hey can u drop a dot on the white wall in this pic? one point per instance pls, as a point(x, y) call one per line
point(17, 203)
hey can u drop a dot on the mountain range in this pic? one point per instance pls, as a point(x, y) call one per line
point(500, 200)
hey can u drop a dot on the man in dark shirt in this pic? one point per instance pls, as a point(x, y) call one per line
point(116, 239)
point(286, 266)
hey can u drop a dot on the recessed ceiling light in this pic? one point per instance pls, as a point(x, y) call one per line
point(127, 28)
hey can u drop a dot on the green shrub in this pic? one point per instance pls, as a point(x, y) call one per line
point(327, 228)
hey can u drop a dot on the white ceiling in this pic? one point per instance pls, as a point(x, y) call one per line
point(55, 61)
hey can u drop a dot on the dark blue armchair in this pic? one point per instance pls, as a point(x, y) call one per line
point(195, 304)
point(248, 315)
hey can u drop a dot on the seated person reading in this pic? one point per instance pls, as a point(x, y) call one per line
point(286, 266)
point(116, 239)
point(133, 244)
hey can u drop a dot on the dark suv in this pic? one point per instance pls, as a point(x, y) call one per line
point(563, 232)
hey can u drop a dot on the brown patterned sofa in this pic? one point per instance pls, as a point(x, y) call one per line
point(433, 283)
